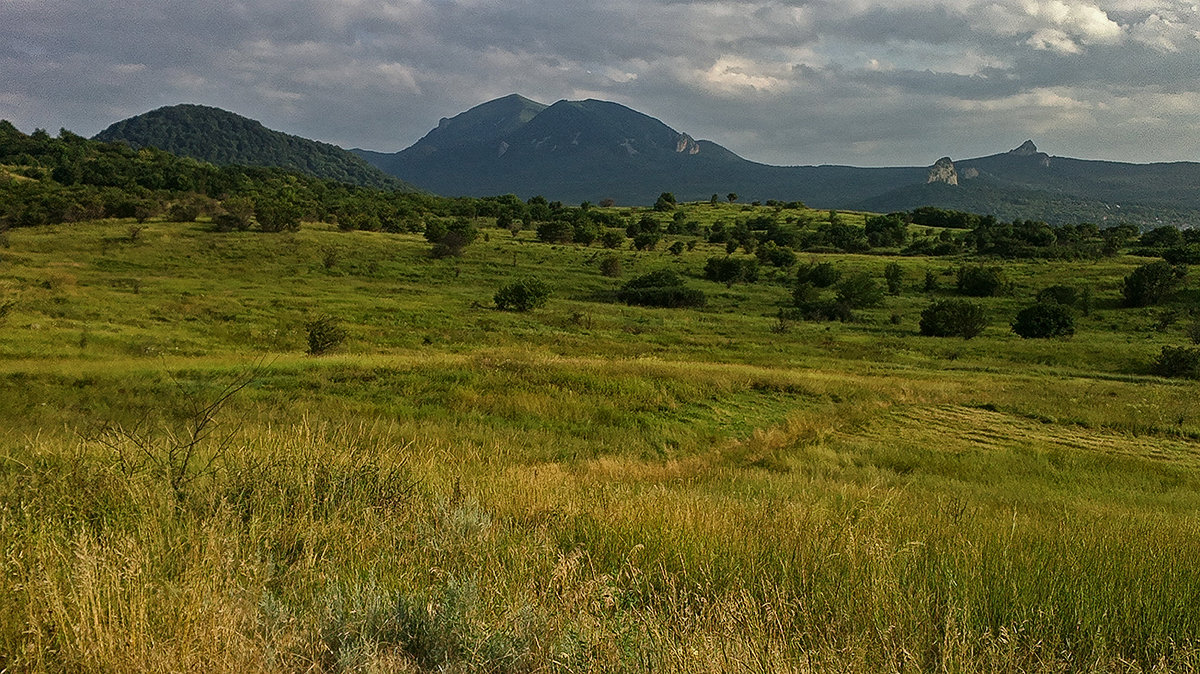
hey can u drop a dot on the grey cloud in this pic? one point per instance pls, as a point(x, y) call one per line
point(865, 82)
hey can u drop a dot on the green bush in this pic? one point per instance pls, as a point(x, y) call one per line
point(1045, 319)
point(612, 238)
point(731, 270)
point(522, 295)
point(1178, 361)
point(1151, 283)
point(324, 334)
point(953, 318)
point(662, 288)
point(821, 275)
point(610, 266)
point(980, 281)
point(1058, 294)
point(859, 290)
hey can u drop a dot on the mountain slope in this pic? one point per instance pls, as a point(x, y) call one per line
point(588, 150)
point(221, 137)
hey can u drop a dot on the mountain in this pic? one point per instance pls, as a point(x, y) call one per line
point(589, 150)
point(221, 137)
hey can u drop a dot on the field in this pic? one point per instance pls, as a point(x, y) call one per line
point(584, 487)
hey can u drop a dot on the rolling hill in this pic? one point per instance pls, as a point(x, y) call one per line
point(221, 137)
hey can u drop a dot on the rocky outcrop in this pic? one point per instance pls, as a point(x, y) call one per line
point(685, 144)
point(943, 172)
point(1027, 148)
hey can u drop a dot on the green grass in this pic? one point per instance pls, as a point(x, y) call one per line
point(588, 486)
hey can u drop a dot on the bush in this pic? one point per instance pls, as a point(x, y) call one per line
point(1151, 283)
point(821, 275)
point(731, 270)
point(1045, 319)
point(662, 288)
point(1178, 361)
point(612, 238)
point(646, 240)
point(953, 318)
point(893, 274)
point(610, 266)
point(1058, 294)
point(450, 240)
point(556, 231)
point(980, 281)
point(859, 290)
point(324, 334)
point(522, 295)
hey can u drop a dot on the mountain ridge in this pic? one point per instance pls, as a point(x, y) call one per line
point(222, 137)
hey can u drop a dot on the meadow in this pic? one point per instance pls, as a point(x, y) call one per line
point(588, 486)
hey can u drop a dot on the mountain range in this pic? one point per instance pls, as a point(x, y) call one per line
point(592, 150)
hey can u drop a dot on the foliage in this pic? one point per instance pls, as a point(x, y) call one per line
point(859, 290)
point(524, 294)
point(450, 239)
point(555, 231)
point(325, 333)
point(1059, 294)
point(610, 266)
point(886, 231)
point(820, 274)
point(730, 270)
point(665, 202)
point(953, 318)
point(662, 288)
point(980, 280)
point(1045, 319)
point(893, 275)
point(1178, 361)
point(1151, 283)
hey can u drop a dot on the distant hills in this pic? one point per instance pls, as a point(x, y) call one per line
point(590, 150)
point(221, 137)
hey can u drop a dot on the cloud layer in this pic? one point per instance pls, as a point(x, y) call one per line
point(862, 82)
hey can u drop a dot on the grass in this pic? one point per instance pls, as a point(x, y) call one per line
point(584, 487)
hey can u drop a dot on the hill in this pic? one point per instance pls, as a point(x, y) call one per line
point(222, 137)
point(590, 150)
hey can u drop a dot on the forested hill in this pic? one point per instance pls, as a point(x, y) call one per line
point(222, 137)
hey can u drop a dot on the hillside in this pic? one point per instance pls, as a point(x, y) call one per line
point(221, 137)
point(590, 150)
point(588, 486)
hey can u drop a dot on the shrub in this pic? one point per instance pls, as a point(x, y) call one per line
point(731, 270)
point(556, 231)
point(449, 240)
point(1058, 294)
point(522, 295)
point(612, 238)
point(1045, 319)
point(980, 281)
point(859, 290)
point(183, 211)
point(610, 266)
point(893, 274)
point(662, 288)
point(775, 255)
point(953, 318)
point(821, 275)
point(1178, 361)
point(646, 240)
point(277, 215)
point(1151, 283)
point(324, 334)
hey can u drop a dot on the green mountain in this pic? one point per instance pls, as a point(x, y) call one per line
point(590, 150)
point(221, 137)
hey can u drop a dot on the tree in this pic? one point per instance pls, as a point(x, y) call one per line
point(893, 275)
point(523, 294)
point(732, 197)
point(1044, 319)
point(1178, 361)
point(665, 202)
point(1058, 294)
point(277, 214)
point(980, 281)
point(887, 230)
point(730, 270)
point(859, 290)
point(1151, 283)
point(953, 318)
point(820, 275)
point(450, 240)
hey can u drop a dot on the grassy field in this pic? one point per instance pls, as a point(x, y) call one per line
point(585, 487)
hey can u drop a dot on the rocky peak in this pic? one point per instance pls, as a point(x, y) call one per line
point(685, 143)
point(943, 171)
point(1027, 148)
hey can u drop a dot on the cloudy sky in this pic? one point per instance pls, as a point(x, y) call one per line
point(862, 82)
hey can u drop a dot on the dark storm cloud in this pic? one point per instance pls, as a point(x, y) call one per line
point(863, 82)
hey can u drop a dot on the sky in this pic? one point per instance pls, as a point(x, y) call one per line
point(860, 82)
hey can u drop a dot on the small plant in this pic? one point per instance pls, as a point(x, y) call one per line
point(325, 333)
point(1045, 319)
point(953, 318)
point(522, 295)
point(1192, 329)
point(1178, 361)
